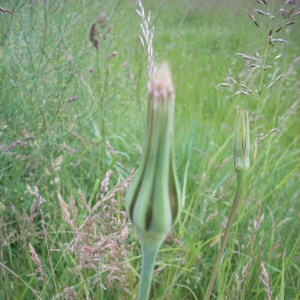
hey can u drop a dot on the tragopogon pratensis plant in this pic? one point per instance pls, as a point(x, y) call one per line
point(273, 21)
point(241, 151)
point(153, 199)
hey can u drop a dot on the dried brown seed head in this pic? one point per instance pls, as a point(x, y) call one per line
point(96, 42)
point(93, 32)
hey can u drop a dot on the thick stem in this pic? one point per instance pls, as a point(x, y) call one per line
point(237, 198)
point(149, 253)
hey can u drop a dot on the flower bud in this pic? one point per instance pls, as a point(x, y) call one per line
point(153, 199)
point(241, 147)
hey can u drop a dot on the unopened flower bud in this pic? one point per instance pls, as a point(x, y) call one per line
point(153, 199)
point(241, 148)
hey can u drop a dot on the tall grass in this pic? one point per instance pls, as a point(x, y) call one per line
point(70, 112)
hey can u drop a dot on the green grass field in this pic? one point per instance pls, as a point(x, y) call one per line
point(69, 113)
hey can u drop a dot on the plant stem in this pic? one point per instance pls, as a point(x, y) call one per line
point(149, 253)
point(237, 198)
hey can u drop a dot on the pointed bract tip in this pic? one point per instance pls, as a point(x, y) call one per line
point(161, 84)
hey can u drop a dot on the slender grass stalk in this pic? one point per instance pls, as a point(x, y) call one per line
point(149, 253)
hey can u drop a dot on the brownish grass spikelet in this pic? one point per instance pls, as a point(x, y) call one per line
point(279, 28)
point(79, 138)
point(211, 216)
point(250, 16)
point(278, 78)
point(260, 12)
point(102, 19)
point(32, 214)
point(96, 42)
point(279, 40)
point(267, 67)
point(12, 145)
point(68, 293)
point(93, 32)
point(270, 41)
point(113, 54)
point(265, 2)
point(237, 93)
point(224, 84)
point(265, 280)
point(5, 10)
point(256, 23)
point(65, 210)
point(244, 93)
point(70, 149)
point(34, 257)
point(275, 246)
point(284, 13)
point(105, 182)
point(73, 98)
point(231, 80)
point(297, 13)
point(83, 200)
point(291, 11)
point(291, 23)
point(31, 137)
point(93, 35)
point(260, 2)
point(270, 32)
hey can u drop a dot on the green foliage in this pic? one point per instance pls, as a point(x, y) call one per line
point(61, 99)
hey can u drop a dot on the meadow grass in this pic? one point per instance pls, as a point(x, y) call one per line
point(69, 113)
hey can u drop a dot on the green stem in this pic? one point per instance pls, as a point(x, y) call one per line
point(237, 198)
point(149, 253)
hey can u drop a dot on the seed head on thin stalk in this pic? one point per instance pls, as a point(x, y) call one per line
point(241, 150)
